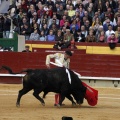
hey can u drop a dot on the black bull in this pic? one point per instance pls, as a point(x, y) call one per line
point(51, 80)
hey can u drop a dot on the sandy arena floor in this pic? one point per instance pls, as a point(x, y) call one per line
point(108, 107)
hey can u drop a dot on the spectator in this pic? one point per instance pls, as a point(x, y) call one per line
point(71, 12)
point(88, 17)
point(50, 3)
point(24, 21)
point(90, 37)
point(26, 31)
point(45, 29)
point(72, 45)
point(67, 24)
point(34, 36)
point(61, 10)
point(117, 34)
point(84, 32)
point(42, 36)
point(27, 49)
point(112, 40)
point(96, 24)
point(106, 23)
point(73, 30)
point(31, 11)
point(59, 40)
point(87, 25)
point(79, 37)
point(78, 3)
point(109, 31)
point(90, 12)
point(101, 37)
point(50, 36)
point(34, 16)
point(74, 25)
point(68, 37)
point(1, 25)
point(99, 30)
point(34, 26)
point(62, 21)
point(53, 20)
point(55, 28)
point(41, 11)
point(6, 26)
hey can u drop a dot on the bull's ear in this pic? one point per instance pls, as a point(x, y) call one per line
point(67, 118)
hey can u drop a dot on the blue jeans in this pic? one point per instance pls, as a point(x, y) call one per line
point(6, 34)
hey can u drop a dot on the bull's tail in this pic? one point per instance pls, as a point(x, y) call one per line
point(11, 72)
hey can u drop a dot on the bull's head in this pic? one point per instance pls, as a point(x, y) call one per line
point(79, 97)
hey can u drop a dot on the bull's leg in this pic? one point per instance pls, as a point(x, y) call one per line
point(36, 94)
point(20, 94)
point(61, 99)
point(44, 94)
point(71, 99)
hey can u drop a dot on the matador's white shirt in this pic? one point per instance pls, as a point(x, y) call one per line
point(58, 57)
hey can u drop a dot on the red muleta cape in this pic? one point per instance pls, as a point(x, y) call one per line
point(91, 95)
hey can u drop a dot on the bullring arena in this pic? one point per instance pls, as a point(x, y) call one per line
point(108, 107)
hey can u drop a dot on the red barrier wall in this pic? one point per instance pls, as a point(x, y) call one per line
point(85, 64)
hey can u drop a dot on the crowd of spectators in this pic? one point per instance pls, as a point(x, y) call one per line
point(65, 21)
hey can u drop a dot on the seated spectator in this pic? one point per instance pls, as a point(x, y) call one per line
point(102, 37)
point(26, 31)
point(61, 10)
point(84, 32)
point(59, 40)
point(74, 24)
point(50, 36)
point(34, 16)
point(66, 24)
point(79, 37)
point(73, 30)
point(42, 36)
point(34, 36)
point(68, 37)
point(117, 34)
point(87, 25)
point(90, 37)
point(96, 23)
point(99, 30)
point(71, 11)
point(109, 31)
point(106, 24)
point(27, 49)
point(54, 28)
point(62, 21)
point(35, 26)
point(112, 40)
point(45, 29)
point(72, 45)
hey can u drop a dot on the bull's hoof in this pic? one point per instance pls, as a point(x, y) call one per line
point(43, 104)
point(73, 104)
point(17, 105)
